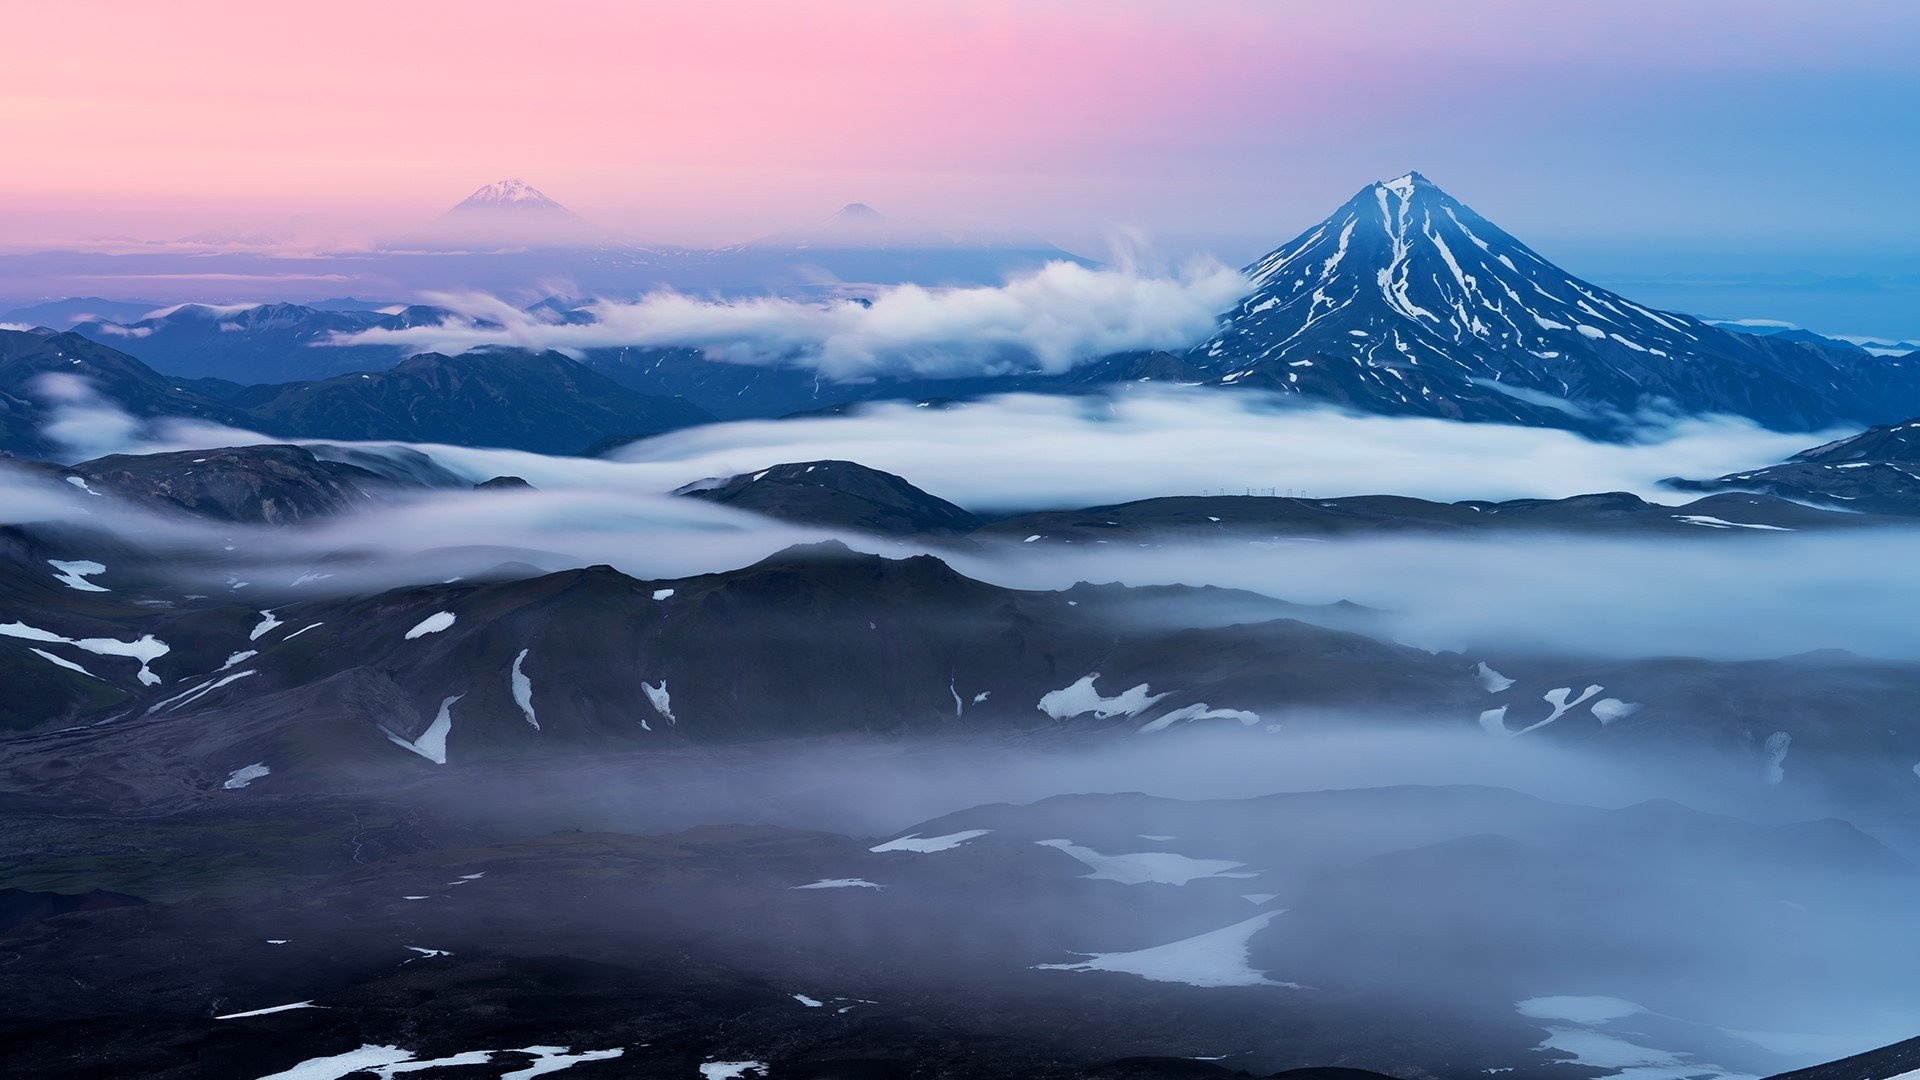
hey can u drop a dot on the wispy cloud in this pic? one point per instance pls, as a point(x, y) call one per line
point(212, 310)
point(82, 423)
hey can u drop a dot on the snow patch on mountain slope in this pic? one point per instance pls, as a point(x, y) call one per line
point(1607, 710)
point(661, 700)
point(1709, 522)
point(145, 648)
point(387, 1062)
point(1495, 720)
point(432, 624)
point(1490, 680)
point(523, 689)
point(1081, 698)
point(59, 661)
point(432, 743)
point(928, 844)
point(240, 778)
point(1201, 711)
point(269, 1010)
point(197, 691)
point(552, 1059)
point(337, 1066)
point(1216, 958)
point(1146, 867)
point(73, 573)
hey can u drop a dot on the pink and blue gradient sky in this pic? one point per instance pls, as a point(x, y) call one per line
point(1647, 134)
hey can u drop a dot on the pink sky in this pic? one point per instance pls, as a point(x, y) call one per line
point(717, 121)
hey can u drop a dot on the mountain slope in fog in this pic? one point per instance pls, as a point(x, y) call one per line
point(1874, 472)
point(837, 495)
point(29, 402)
point(847, 495)
point(810, 642)
point(515, 664)
point(266, 485)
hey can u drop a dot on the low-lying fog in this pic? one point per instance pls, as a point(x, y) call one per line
point(1018, 452)
point(1024, 451)
point(1699, 918)
point(1773, 596)
point(877, 787)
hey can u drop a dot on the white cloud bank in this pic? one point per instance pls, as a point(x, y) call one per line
point(1055, 317)
point(1025, 451)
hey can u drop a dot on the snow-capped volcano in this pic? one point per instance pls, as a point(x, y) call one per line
point(1406, 300)
point(515, 192)
point(1411, 262)
point(512, 214)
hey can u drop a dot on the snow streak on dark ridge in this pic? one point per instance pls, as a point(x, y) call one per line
point(1405, 300)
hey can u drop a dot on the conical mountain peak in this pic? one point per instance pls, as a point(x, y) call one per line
point(1406, 184)
point(1405, 274)
point(515, 193)
point(1405, 300)
point(509, 214)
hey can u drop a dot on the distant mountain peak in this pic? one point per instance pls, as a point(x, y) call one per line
point(509, 214)
point(515, 193)
point(858, 211)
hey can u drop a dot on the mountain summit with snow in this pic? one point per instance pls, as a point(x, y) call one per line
point(1406, 301)
point(515, 193)
point(512, 214)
